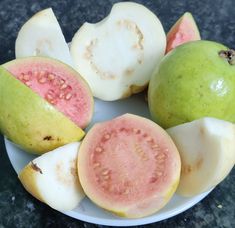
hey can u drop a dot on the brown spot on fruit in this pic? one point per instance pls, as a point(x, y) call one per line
point(35, 167)
point(48, 138)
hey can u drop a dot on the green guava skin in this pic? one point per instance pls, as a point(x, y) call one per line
point(30, 121)
point(192, 82)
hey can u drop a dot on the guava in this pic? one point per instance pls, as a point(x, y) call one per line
point(194, 80)
point(129, 166)
point(33, 114)
point(57, 83)
point(207, 151)
point(184, 30)
point(118, 55)
point(52, 178)
point(41, 35)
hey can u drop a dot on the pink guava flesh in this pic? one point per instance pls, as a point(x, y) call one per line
point(59, 84)
point(128, 160)
point(184, 30)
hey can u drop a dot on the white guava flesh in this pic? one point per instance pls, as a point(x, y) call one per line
point(52, 178)
point(207, 151)
point(41, 35)
point(118, 55)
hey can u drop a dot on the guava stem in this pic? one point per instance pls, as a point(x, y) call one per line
point(229, 55)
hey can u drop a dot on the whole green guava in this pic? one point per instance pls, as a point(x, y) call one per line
point(194, 80)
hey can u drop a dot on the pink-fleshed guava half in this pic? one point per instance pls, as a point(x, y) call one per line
point(129, 166)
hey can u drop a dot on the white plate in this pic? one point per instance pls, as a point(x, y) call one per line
point(87, 211)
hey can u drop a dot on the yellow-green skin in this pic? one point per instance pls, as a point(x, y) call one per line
point(193, 81)
point(30, 121)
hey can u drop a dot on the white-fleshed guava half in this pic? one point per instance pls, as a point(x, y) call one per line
point(118, 55)
point(207, 151)
point(53, 179)
point(41, 35)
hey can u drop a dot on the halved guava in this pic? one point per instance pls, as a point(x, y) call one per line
point(41, 35)
point(129, 166)
point(184, 30)
point(118, 55)
point(57, 83)
point(52, 178)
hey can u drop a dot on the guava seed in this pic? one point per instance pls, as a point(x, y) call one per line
point(51, 77)
point(26, 77)
point(42, 80)
point(68, 96)
point(61, 95)
point(63, 86)
point(28, 83)
point(107, 136)
point(153, 179)
point(96, 165)
point(105, 172)
point(159, 173)
point(98, 149)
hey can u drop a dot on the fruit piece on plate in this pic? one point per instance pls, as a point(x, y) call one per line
point(57, 83)
point(207, 151)
point(194, 80)
point(53, 179)
point(129, 166)
point(117, 56)
point(33, 113)
point(41, 35)
point(184, 30)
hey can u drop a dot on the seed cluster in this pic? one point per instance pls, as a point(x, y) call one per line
point(103, 175)
point(62, 89)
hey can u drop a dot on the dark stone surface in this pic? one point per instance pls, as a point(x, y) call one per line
point(215, 20)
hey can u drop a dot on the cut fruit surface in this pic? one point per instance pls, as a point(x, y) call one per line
point(52, 178)
point(30, 121)
point(129, 166)
point(41, 35)
point(118, 55)
point(184, 30)
point(57, 83)
point(207, 151)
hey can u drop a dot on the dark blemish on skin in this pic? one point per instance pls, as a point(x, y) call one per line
point(36, 168)
point(48, 138)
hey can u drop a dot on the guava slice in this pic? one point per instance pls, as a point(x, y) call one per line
point(129, 166)
point(30, 121)
point(117, 56)
point(207, 151)
point(184, 30)
point(57, 83)
point(41, 35)
point(52, 178)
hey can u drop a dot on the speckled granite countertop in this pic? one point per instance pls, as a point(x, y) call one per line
point(216, 22)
